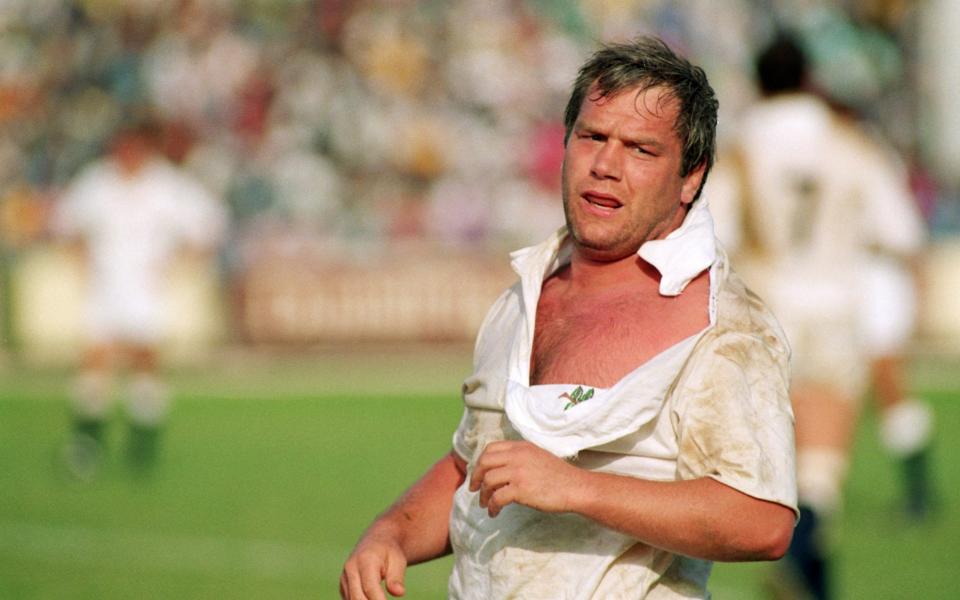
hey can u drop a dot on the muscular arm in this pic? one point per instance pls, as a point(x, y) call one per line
point(702, 518)
point(412, 530)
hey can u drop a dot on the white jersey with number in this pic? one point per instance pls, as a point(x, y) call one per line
point(806, 200)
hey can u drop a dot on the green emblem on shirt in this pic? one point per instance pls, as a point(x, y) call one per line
point(577, 396)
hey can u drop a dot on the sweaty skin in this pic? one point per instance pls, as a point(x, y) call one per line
point(621, 180)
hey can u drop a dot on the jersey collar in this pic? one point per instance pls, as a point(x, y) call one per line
point(685, 253)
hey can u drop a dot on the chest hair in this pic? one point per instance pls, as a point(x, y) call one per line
point(597, 341)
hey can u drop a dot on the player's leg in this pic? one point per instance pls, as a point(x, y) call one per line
point(142, 322)
point(91, 402)
point(147, 404)
point(829, 376)
point(906, 424)
point(906, 431)
point(825, 421)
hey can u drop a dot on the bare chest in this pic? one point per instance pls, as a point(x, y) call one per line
point(597, 342)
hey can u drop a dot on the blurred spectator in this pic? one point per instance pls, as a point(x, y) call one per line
point(357, 121)
point(130, 213)
point(195, 68)
point(395, 90)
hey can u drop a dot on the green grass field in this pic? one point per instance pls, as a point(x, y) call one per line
point(272, 466)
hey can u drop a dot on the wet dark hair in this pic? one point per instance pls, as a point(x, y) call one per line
point(781, 65)
point(648, 62)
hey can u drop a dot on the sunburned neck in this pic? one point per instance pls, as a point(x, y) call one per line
point(587, 273)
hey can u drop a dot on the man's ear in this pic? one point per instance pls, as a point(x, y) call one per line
point(691, 183)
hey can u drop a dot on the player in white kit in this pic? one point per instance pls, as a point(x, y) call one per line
point(807, 199)
point(627, 421)
point(130, 213)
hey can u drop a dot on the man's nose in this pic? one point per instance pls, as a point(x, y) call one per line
point(606, 162)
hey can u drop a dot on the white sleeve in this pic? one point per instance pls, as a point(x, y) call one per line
point(201, 216)
point(77, 209)
point(734, 421)
point(893, 219)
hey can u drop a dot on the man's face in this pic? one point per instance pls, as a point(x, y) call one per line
point(131, 152)
point(621, 173)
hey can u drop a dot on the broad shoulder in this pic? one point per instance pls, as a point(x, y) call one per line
point(94, 176)
point(742, 313)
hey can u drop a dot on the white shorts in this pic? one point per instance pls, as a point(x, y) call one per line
point(888, 307)
point(124, 316)
point(820, 320)
point(827, 352)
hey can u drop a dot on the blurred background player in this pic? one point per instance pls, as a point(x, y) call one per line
point(129, 212)
point(807, 199)
point(888, 318)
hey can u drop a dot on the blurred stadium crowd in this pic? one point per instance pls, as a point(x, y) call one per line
point(345, 127)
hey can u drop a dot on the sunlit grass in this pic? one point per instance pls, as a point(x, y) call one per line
point(271, 471)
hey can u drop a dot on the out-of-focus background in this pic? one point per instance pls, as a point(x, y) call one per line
point(377, 160)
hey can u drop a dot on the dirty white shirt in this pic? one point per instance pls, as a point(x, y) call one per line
point(714, 405)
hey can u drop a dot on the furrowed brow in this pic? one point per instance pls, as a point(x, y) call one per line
point(588, 126)
point(644, 142)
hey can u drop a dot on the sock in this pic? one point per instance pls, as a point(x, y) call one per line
point(83, 453)
point(807, 554)
point(821, 472)
point(90, 395)
point(143, 446)
point(915, 472)
point(147, 400)
point(906, 430)
point(147, 406)
point(820, 475)
point(89, 428)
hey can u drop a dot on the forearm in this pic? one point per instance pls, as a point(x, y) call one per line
point(418, 520)
point(701, 518)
